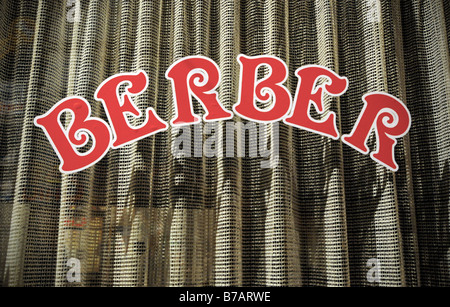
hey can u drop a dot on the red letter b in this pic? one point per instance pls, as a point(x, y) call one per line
point(65, 142)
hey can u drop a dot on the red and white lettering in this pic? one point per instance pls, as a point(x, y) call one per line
point(116, 108)
point(252, 90)
point(199, 76)
point(196, 76)
point(306, 95)
point(389, 117)
point(65, 141)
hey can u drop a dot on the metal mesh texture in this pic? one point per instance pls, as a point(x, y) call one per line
point(152, 219)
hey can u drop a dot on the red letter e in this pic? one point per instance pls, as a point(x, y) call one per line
point(307, 95)
point(116, 108)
